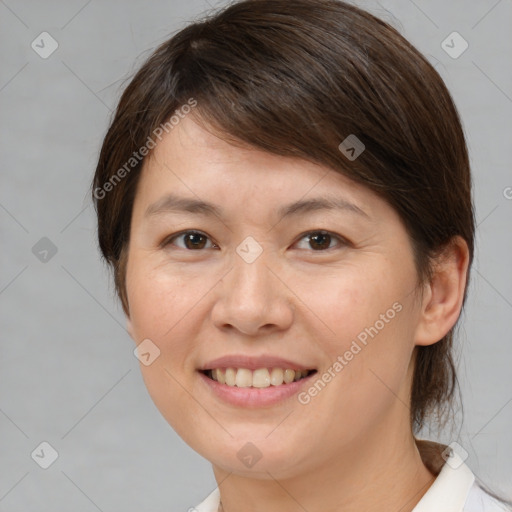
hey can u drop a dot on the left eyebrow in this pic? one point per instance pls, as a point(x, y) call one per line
point(174, 203)
point(320, 203)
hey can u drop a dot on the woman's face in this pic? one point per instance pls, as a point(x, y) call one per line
point(273, 282)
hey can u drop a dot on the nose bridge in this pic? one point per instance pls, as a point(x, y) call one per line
point(251, 279)
point(251, 296)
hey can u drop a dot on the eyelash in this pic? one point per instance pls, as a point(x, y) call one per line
point(342, 241)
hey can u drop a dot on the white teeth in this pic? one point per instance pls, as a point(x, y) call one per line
point(288, 376)
point(230, 376)
point(218, 375)
point(243, 378)
point(260, 378)
point(221, 377)
point(276, 376)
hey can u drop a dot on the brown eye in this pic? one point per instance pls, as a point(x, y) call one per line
point(192, 240)
point(321, 240)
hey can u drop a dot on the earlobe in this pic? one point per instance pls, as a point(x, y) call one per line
point(442, 300)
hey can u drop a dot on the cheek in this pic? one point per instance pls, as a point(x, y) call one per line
point(158, 299)
point(351, 300)
point(164, 308)
point(366, 320)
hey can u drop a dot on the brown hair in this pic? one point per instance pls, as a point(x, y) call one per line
point(295, 79)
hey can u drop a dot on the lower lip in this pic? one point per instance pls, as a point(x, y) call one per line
point(254, 397)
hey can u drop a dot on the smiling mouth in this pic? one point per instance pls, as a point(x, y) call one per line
point(260, 378)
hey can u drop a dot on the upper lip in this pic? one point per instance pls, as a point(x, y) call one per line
point(253, 362)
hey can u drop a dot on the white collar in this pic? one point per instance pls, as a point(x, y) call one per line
point(210, 503)
point(448, 493)
point(450, 489)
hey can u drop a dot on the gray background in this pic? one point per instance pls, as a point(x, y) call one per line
point(68, 375)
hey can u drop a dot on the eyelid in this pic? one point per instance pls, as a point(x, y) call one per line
point(342, 240)
point(168, 239)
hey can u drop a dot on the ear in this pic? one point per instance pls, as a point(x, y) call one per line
point(443, 295)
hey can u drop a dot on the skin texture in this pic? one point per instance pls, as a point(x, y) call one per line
point(351, 447)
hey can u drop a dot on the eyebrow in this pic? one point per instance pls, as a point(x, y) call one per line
point(173, 203)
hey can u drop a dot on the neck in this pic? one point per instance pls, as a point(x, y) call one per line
point(380, 472)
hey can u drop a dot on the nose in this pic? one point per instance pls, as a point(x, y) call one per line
point(253, 299)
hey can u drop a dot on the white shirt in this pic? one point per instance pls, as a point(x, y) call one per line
point(453, 490)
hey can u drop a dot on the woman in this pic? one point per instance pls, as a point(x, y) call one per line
point(284, 195)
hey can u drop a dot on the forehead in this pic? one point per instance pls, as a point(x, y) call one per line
point(191, 161)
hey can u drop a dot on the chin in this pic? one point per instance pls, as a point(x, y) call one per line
point(261, 458)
